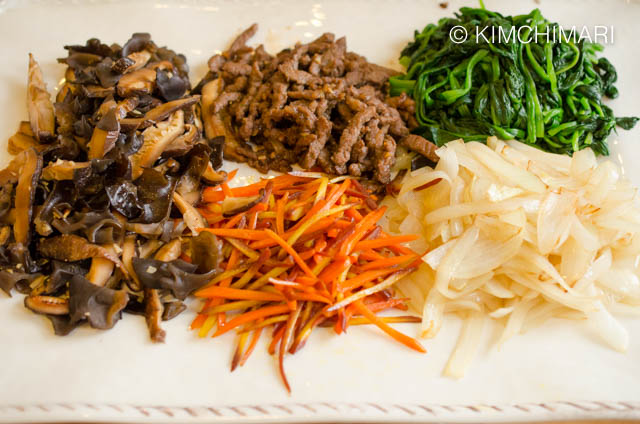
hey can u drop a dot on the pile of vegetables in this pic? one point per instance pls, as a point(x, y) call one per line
point(519, 236)
point(545, 91)
point(300, 251)
point(96, 207)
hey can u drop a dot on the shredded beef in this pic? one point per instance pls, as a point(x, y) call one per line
point(315, 104)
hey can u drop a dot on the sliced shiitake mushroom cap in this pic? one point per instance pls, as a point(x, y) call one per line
point(41, 114)
point(235, 205)
point(156, 140)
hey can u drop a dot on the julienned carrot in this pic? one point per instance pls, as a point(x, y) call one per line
point(231, 175)
point(238, 294)
point(226, 190)
point(235, 233)
point(251, 316)
point(280, 209)
point(402, 338)
point(387, 262)
point(361, 229)
point(363, 278)
point(284, 344)
point(292, 252)
point(307, 253)
point(254, 342)
point(277, 336)
point(333, 271)
point(384, 242)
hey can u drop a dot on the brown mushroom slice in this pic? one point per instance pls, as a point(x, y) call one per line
point(9, 175)
point(156, 139)
point(149, 248)
point(164, 65)
point(5, 233)
point(25, 128)
point(234, 205)
point(146, 230)
point(62, 169)
point(25, 192)
point(191, 216)
point(153, 310)
point(170, 251)
point(101, 268)
point(128, 253)
point(20, 141)
point(183, 143)
point(157, 114)
point(47, 305)
point(66, 88)
point(132, 62)
point(126, 106)
point(71, 248)
point(97, 91)
point(105, 107)
point(105, 135)
point(39, 103)
point(137, 82)
point(212, 176)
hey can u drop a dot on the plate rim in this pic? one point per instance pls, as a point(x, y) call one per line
point(322, 412)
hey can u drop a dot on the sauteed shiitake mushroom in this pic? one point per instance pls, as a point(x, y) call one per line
point(97, 206)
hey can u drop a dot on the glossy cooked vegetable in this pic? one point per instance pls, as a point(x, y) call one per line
point(98, 202)
point(545, 91)
point(307, 252)
point(518, 235)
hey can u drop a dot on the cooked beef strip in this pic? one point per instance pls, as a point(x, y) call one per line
point(314, 104)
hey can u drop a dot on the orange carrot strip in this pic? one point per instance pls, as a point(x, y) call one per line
point(333, 271)
point(279, 282)
point(253, 220)
point(402, 338)
point(284, 344)
point(322, 224)
point(370, 255)
point(311, 297)
point(233, 220)
point(226, 190)
point(365, 277)
point(280, 204)
point(198, 321)
point(361, 230)
point(277, 335)
point(212, 194)
point(387, 262)
point(353, 213)
point(323, 205)
point(254, 342)
point(238, 294)
point(235, 233)
point(231, 175)
point(308, 254)
point(291, 252)
point(383, 242)
point(387, 304)
point(251, 316)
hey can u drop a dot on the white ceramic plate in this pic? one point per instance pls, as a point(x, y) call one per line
point(558, 371)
